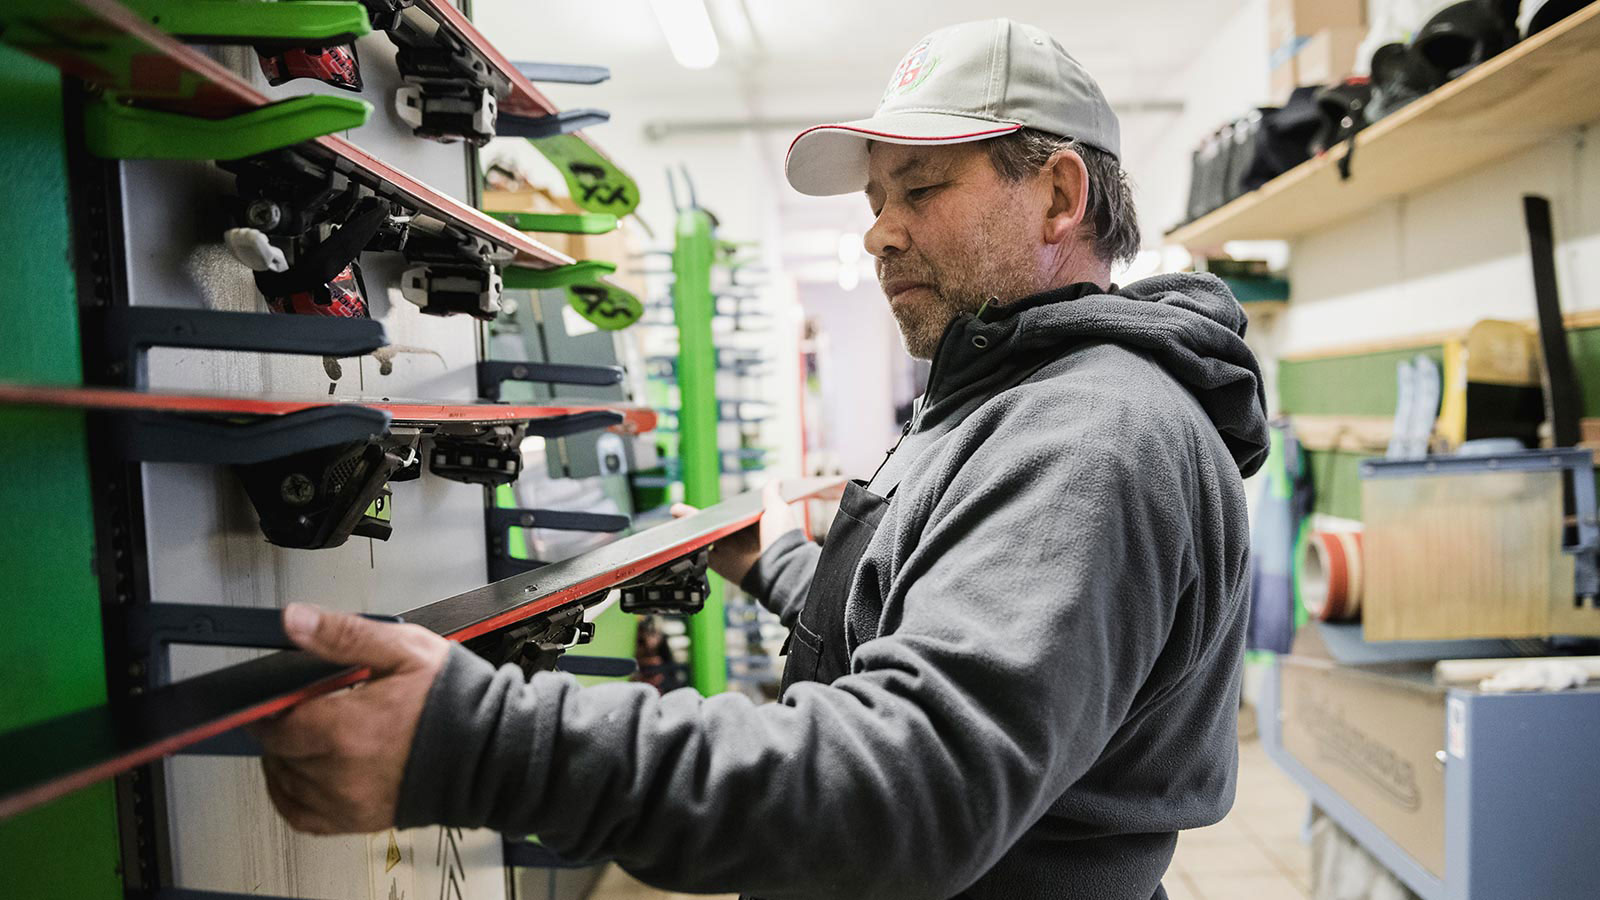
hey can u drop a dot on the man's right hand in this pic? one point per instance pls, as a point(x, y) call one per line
point(734, 556)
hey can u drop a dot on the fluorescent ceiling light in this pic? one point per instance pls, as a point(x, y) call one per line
point(687, 26)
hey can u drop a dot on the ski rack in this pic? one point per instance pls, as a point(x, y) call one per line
point(60, 755)
point(281, 149)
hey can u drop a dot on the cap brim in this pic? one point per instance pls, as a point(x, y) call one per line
point(832, 159)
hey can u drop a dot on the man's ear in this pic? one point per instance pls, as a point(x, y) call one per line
point(1069, 195)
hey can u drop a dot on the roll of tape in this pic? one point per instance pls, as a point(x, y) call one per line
point(1331, 576)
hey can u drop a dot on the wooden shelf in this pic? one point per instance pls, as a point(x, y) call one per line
point(1526, 95)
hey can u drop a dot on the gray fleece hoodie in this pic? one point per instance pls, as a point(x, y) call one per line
point(1045, 636)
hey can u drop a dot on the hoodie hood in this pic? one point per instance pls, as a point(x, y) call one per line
point(1189, 323)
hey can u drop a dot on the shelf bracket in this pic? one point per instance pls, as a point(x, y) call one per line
point(119, 131)
point(311, 24)
point(561, 223)
point(521, 853)
point(499, 520)
point(558, 73)
point(151, 628)
point(494, 372)
point(561, 426)
point(597, 666)
point(176, 438)
point(565, 122)
point(128, 331)
point(523, 278)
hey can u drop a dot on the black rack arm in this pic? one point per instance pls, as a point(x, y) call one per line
point(494, 372)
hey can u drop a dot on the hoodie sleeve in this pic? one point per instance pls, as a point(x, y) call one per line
point(1006, 675)
point(781, 577)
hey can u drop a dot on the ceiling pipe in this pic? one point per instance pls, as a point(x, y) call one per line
point(663, 129)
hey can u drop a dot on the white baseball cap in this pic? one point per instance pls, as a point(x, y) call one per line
point(967, 82)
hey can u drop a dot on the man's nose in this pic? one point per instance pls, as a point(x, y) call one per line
point(887, 236)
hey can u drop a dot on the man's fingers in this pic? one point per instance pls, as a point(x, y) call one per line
point(347, 639)
point(679, 510)
point(284, 792)
point(303, 731)
point(772, 494)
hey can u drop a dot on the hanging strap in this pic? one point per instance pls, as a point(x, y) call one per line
point(318, 265)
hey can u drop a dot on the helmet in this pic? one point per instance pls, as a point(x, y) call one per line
point(1462, 35)
point(1399, 76)
point(1537, 15)
point(1343, 108)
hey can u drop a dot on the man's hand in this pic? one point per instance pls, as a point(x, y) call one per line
point(734, 556)
point(334, 764)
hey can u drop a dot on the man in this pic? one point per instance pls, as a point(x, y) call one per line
point(1014, 666)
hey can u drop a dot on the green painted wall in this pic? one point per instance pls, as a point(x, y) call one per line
point(1360, 385)
point(50, 656)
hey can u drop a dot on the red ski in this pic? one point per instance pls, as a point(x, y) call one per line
point(416, 413)
point(526, 616)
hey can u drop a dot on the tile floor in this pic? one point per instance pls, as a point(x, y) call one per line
point(1253, 854)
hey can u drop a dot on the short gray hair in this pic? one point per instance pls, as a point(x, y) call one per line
point(1111, 211)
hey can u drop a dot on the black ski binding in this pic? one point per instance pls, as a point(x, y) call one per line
point(678, 588)
point(536, 646)
point(491, 459)
point(319, 498)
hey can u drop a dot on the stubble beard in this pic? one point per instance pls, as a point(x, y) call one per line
point(993, 267)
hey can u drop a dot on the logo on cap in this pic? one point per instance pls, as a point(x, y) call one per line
point(912, 72)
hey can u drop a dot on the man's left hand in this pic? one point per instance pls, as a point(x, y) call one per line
point(334, 764)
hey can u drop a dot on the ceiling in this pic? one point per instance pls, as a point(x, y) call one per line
point(785, 64)
point(784, 56)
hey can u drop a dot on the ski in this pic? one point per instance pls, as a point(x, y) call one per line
point(419, 413)
point(527, 619)
point(462, 87)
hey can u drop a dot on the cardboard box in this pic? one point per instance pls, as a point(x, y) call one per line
point(1374, 737)
point(1452, 556)
point(1291, 19)
point(1329, 56)
point(1281, 83)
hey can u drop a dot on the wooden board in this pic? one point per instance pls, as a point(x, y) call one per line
point(1537, 89)
point(1468, 556)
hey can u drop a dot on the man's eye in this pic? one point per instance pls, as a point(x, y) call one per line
point(920, 193)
